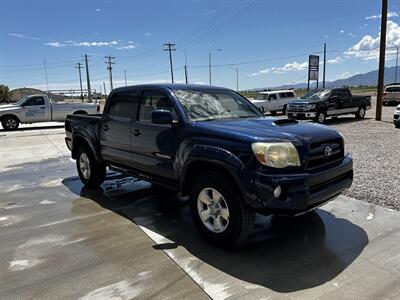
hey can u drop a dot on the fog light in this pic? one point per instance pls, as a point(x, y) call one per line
point(277, 191)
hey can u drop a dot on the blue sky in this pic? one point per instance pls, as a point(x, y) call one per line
point(268, 40)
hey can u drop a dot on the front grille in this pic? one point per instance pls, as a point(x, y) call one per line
point(318, 156)
point(297, 107)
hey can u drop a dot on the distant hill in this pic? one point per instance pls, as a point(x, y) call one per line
point(366, 79)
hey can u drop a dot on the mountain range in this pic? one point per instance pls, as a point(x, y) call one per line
point(366, 79)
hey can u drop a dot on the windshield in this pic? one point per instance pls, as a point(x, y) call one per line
point(19, 102)
point(317, 94)
point(207, 105)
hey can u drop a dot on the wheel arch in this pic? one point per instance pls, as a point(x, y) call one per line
point(9, 115)
point(80, 141)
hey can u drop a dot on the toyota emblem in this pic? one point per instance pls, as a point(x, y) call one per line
point(328, 151)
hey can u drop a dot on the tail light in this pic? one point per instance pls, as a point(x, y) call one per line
point(98, 108)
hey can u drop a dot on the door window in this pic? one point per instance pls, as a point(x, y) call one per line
point(122, 105)
point(154, 100)
point(34, 101)
point(272, 97)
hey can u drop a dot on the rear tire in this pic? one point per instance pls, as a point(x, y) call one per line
point(91, 172)
point(360, 114)
point(10, 123)
point(284, 109)
point(219, 211)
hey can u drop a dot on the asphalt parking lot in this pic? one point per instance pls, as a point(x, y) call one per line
point(61, 240)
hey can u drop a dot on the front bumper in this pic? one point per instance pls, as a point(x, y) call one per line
point(301, 115)
point(303, 192)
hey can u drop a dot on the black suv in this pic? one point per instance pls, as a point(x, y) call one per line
point(319, 104)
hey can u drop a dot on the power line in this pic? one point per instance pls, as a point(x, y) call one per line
point(45, 72)
point(170, 47)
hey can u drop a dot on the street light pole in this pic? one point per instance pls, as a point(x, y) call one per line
point(397, 63)
point(209, 65)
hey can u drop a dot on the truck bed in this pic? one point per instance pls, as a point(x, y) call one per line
point(87, 125)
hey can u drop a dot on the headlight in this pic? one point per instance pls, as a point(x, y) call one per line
point(311, 106)
point(276, 155)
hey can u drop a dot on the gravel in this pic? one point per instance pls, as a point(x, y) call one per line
point(375, 147)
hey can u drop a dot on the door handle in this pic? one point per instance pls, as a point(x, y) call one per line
point(106, 127)
point(136, 132)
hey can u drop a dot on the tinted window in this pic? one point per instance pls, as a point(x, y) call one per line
point(282, 95)
point(34, 101)
point(154, 100)
point(272, 97)
point(290, 95)
point(122, 104)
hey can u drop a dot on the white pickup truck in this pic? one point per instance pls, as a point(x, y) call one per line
point(40, 108)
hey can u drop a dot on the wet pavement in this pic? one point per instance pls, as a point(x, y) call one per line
point(61, 240)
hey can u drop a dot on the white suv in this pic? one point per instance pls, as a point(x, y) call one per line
point(274, 101)
point(391, 94)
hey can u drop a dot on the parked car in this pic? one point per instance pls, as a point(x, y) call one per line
point(319, 104)
point(40, 108)
point(216, 147)
point(396, 117)
point(391, 95)
point(274, 101)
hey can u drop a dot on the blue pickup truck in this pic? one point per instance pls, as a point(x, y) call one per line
point(216, 147)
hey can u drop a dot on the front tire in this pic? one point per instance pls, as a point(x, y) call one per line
point(219, 211)
point(360, 114)
point(10, 123)
point(284, 109)
point(91, 172)
point(320, 117)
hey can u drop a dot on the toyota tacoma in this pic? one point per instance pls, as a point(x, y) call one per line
point(216, 147)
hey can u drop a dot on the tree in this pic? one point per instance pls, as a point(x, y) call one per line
point(4, 94)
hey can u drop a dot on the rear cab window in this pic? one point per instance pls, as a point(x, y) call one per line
point(392, 89)
point(122, 105)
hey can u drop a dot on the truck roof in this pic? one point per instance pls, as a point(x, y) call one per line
point(275, 91)
point(172, 86)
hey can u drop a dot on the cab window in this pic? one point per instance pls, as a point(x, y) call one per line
point(34, 101)
point(154, 100)
point(272, 97)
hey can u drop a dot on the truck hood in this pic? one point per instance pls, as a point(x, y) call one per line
point(268, 130)
point(8, 107)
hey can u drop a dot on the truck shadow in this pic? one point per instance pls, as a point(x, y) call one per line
point(283, 254)
point(34, 128)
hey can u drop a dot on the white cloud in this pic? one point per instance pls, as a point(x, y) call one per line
point(290, 67)
point(23, 36)
point(352, 34)
point(368, 47)
point(342, 31)
point(127, 47)
point(345, 75)
point(98, 9)
point(149, 34)
point(391, 14)
point(120, 45)
point(336, 60)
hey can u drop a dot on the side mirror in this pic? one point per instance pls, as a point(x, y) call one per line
point(161, 117)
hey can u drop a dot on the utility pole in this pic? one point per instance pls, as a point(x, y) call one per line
point(79, 67)
point(237, 78)
point(88, 79)
point(381, 72)
point(45, 73)
point(397, 63)
point(110, 62)
point(170, 47)
point(186, 71)
point(323, 76)
point(209, 66)
point(105, 91)
point(125, 78)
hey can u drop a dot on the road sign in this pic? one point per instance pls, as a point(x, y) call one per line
point(313, 69)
